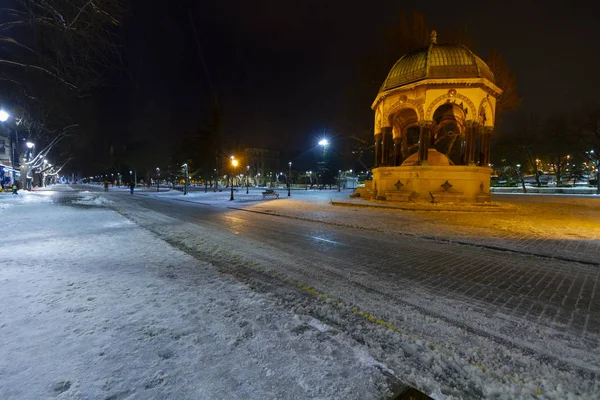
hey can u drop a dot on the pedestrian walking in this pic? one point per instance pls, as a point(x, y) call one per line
point(131, 186)
point(106, 186)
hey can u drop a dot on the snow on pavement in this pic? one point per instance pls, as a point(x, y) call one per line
point(160, 324)
point(521, 359)
point(93, 307)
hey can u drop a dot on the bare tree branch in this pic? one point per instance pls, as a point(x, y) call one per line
point(37, 68)
point(79, 13)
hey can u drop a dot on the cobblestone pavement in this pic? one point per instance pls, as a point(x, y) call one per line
point(552, 226)
point(551, 277)
point(560, 294)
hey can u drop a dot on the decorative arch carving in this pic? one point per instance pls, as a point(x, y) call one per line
point(485, 107)
point(402, 103)
point(452, 95)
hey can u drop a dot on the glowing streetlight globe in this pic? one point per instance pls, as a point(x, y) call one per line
point(323, 142)
point(4, 116)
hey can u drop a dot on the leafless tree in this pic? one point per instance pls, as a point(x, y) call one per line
point(70, 42)
point(559, 144)
point(53, 53)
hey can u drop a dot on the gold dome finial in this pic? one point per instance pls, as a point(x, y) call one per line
point(433, 37)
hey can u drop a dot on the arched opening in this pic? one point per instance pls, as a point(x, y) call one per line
point(449, 131)
point(405, 125)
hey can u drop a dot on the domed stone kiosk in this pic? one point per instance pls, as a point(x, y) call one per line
point(434, 119)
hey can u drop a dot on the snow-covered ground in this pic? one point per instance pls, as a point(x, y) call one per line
point(94, 306)
point(557, 226)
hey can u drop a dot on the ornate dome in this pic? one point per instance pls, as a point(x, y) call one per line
point(437, 61)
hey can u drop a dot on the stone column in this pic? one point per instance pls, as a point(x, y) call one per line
point(397, 151)
point(470, 143)
point(424, 141)
point(463, 147)
point(486, 141)
point(387, 146)
point(377, 150)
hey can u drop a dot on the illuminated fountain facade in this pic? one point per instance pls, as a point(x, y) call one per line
point(434, 120)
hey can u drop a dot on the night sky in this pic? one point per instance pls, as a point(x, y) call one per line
point(284, 72)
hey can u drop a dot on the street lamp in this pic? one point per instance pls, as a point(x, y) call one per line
point(247, 174)
point(157, 179)
point(234, 164)
point(339, 178)
point(322, 165)
point(4, 116)
point(185, 187)
point(28, 182)
point(288, 177)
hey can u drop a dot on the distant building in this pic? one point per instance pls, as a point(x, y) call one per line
point(4, 150)
point(5, 160)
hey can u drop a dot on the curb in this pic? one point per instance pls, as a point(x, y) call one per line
point(416, 207)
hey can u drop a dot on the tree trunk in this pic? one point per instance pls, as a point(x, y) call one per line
point(523, 184)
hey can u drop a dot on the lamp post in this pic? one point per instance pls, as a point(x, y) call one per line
point(247, 174)
point(234, 164)
point(185, 186)
point(322, 164)
point(521, 177)
point(157, 179)
point(339, 178)
point(289, 182)
point(28, 182)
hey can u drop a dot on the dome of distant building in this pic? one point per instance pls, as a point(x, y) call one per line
point(437, 61)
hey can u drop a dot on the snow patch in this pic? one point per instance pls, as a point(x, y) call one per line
point(93, 200)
